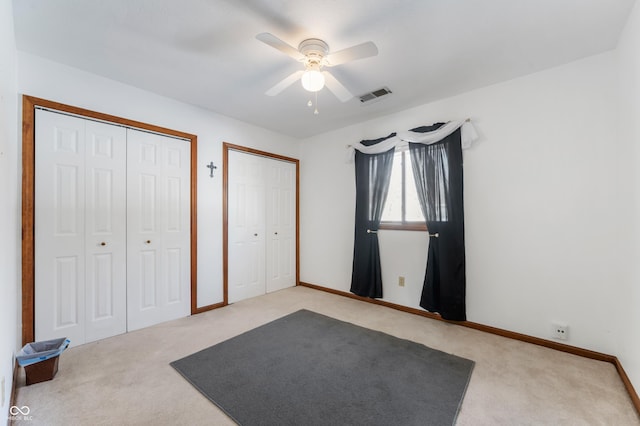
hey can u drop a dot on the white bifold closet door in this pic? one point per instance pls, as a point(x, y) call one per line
point(261, 225)
point(80, 217)
point(246, 226)
point(112, 228)
point(158, 223)
point(281, 225)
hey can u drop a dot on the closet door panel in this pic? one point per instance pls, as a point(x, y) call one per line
point(175, 276)
point(281, 219)
point(105, 230)
point(147, 279)
point(176, 224)
point(158, 236)
point(143, 231)
point(246, 226)
point(66, 287)
point(59, 231)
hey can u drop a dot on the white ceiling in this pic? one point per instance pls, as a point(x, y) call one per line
point(204, 52)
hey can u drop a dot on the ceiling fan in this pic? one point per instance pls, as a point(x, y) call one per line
point(314, 55)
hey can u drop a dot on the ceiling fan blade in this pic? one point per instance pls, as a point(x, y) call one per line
point(361, 51)
point(336, 87)
point(288, 81)
point(276, 43)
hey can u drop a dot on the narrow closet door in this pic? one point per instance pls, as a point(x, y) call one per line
point(281, 225)
point(158, 235)
point(105, 230)
point(59, 227)
point(246, 226)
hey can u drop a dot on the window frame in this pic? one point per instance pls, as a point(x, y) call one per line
point(403, 225)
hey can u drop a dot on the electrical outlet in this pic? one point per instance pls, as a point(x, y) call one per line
point(560, 331)
point(401, 281)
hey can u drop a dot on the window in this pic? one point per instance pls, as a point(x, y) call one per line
point(402, 208)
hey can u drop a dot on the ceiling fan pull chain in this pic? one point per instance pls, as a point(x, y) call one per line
point(316, 110)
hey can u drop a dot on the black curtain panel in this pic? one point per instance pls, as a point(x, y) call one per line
point(437, 169)
point(373, 172)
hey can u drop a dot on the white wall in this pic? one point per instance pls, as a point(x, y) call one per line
point(545, 217)
point(9, 207)
point(53, 81)
point(629, 113)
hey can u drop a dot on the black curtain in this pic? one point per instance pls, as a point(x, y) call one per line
point(373, 172)
point(437, 169)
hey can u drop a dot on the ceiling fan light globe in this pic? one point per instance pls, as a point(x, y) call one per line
point(312, 80)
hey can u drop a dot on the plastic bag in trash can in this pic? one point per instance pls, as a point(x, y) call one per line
point(40, 351)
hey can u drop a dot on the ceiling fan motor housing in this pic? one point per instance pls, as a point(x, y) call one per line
point(314, 51)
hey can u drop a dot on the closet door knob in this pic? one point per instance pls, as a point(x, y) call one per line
point(276, 233)
point(103, 244)
point(148, 242)
point(255, 235)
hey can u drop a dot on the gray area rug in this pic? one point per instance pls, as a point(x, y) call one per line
point(309, 369)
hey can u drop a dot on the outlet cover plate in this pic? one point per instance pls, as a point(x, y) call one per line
point(560, 331)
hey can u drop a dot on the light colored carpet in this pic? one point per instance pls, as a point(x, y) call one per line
point(127, 379)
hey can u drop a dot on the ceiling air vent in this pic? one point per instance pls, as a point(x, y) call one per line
point(375, 95)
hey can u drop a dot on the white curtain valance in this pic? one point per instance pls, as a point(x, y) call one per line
point(468, 136)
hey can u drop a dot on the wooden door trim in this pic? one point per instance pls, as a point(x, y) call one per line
point(29, 105)
point(226, 147)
